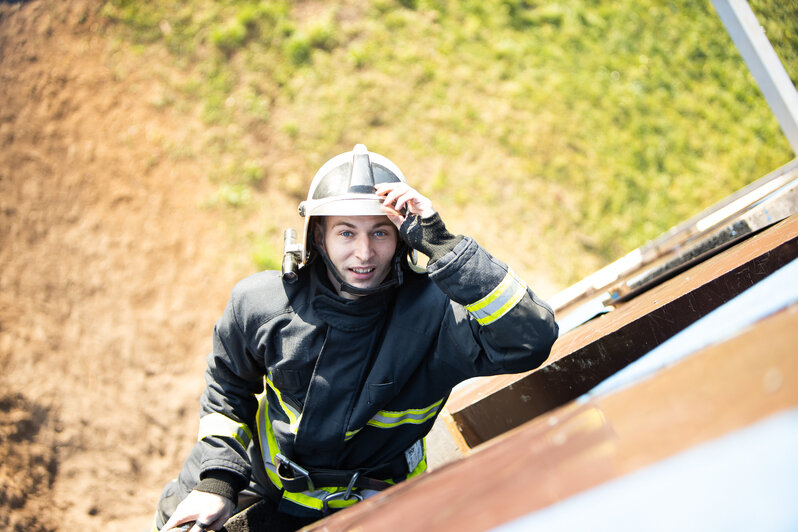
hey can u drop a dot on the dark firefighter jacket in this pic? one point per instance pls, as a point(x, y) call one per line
point(350, 384)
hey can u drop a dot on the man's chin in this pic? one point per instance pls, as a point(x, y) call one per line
point(365, 284)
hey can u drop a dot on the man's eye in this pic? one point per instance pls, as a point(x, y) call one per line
point(346, 234)
point(380, 233)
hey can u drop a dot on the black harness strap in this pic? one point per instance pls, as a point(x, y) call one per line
point(296, 478)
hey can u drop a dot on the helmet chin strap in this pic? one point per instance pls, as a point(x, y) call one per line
point(395, 280)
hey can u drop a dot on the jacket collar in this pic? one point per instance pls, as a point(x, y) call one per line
point(346, 314)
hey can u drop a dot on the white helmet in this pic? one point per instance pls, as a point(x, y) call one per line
point(344, 186)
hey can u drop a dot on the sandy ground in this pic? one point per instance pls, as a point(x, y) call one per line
point(111, 278)
point(111, 282)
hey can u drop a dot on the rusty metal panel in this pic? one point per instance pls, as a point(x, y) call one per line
point(745, 480)
point(595, 351)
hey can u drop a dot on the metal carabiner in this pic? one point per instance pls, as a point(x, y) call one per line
point(342, 495)
point(283, 463)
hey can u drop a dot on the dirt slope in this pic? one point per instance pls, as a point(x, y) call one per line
point(112, 273)
point(110, 281)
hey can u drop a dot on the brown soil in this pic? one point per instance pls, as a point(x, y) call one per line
point(111, 278)
point(111, 273)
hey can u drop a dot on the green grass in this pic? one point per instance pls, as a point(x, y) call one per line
point(594, 125)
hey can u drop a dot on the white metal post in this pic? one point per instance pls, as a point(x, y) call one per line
point(764, 64)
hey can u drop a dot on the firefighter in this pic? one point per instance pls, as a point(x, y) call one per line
point(324, 379)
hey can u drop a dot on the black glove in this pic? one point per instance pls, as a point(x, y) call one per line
point(428, 235)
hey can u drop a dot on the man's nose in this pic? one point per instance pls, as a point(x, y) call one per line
point(363, 248)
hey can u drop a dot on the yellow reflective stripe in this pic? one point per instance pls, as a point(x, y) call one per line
point(308, 499)
point(499, 301)
point(495, 293)
point(505, 308)
point(351, 433)
point(294, 417)
point(217, 424)
point(314, 499)
point(386, 419)
point(266, 435)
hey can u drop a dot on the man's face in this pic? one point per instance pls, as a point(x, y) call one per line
point(360, 248)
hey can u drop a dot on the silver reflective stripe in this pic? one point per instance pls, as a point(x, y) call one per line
point(217, 424)
point(386, 419)
point(499, 301)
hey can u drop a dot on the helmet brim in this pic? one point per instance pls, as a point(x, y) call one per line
point(345, 205)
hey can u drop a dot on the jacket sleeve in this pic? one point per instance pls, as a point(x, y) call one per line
point(234, 376)
point(494, 323)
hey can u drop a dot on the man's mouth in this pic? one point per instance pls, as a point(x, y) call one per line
point(362, 271)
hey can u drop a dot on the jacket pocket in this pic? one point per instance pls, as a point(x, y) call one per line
point(286, 380)
point(379, 394)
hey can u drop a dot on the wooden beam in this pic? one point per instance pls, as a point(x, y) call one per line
point(486, 408)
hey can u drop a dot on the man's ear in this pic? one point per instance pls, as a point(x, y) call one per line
point(318, 232)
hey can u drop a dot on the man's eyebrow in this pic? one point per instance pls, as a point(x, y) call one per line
point(378, 225)
point(344, 222)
